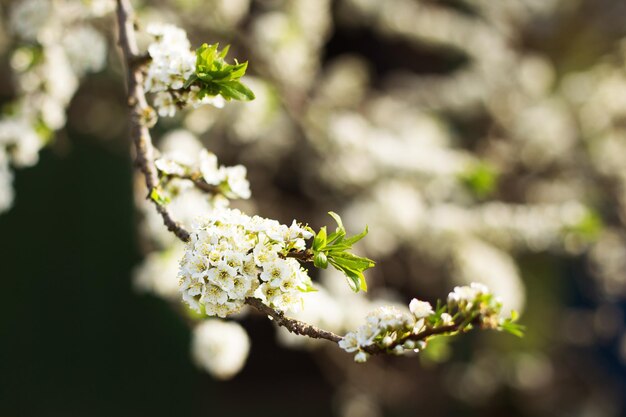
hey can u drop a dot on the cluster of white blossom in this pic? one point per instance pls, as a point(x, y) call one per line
point(54, 48)
point(232, 256)
point(182, 154)
point(393, 329)
point(231, 181)
point(465, 295)
point(382, 327)
point(548, 135)
point(172, 62)
point(220, 347)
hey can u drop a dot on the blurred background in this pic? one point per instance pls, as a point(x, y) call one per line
point(479, 140)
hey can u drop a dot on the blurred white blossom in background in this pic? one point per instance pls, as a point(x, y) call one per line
point(220, 347)
point(474, 173)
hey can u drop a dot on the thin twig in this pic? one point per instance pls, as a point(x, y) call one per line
point(302, 256)
point(423, 335)
point(293, 325)
point(139, 132)
point(196, 180)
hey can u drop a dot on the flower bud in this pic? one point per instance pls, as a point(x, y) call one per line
point(409, 344)
point(398, 350)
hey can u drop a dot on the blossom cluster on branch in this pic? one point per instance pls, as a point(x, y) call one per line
point(171, 64)
point(232, 259)
point(180, 77)
point(232, 256)
point(393, 330)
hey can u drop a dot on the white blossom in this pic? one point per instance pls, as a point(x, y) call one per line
point(379, 325)
point(467, 294)
point(237, 182)
point(446, 319)
point(172, 64)
point(230, 257)
point(220, 347)
point(420, 309)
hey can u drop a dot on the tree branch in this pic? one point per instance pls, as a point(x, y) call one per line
point(140, 135)
point(141, 138)
point(302, 256)
point(196, 180)
point(139, 108)
point(293, 325)
point(423, 335)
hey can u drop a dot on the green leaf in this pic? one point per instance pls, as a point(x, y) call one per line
point(319, 242)
point(352, 240)
point(238, 71)
point(334, 249)
point(510, 326)
point(215, 76)
point(340, 232)
point(352, 261)
point(337, 219)
point(355, 278)
point(224, 52)
point(235, 90)
point(513, 328)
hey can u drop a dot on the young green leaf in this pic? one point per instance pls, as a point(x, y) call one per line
point(235, 90)
point(319, 242)
point(215, 76)
point(513, 328)
point(355, 278)
point(335, 249)
point(337, 219)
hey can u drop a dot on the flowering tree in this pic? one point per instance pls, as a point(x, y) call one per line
point(462, 171)
point(230, 259)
